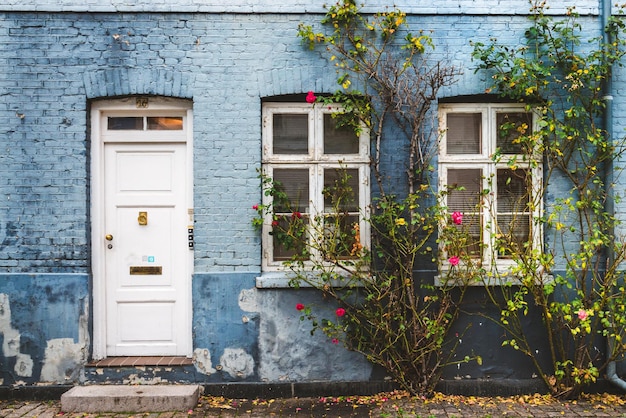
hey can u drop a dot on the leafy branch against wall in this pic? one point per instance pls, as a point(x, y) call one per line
point(388, 83)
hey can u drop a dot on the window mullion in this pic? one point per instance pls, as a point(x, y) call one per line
point(316, 134)
point(316, 207)
point(489, 212)
point(266, 229)
point(488, 132)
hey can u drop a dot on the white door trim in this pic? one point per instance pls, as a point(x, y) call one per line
point(128, 106)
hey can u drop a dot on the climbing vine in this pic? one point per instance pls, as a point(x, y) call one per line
point(575, 279)
point(387, 83)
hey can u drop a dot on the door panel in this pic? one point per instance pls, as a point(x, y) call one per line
point(146, 269)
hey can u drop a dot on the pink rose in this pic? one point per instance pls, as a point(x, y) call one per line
point(454, 260)
point(255, 207)
point(340, 312)
point(457, 218)
point(299, 306)
point(335, 341)
point(310, 97)
point(582, 314)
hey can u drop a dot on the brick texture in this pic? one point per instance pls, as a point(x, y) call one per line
point(226, 63)
point(469, 7)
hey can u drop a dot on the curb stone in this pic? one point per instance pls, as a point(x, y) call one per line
point(342, 407)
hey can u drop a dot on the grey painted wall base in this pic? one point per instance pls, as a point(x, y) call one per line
point(468, 387)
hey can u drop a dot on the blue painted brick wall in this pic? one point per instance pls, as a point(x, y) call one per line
point(225, 62)
point(492, 7)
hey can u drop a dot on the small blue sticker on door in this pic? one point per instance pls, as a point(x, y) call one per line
point(150, 259)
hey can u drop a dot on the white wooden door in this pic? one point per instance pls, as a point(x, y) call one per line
point(146, 249)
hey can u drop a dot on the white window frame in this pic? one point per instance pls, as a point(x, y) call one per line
point(485, 162)
point(316, 161)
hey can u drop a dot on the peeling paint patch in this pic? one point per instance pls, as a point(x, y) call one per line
point(62, 360)
point(23, 365)
point(202, 361)
point(237, 363)
point(11, 344)
point(248, 300)
point(135, 379)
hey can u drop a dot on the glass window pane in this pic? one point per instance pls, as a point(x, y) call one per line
point(292, 185)
point(341, 190)
point(340, 235)
point(164, 123)
point(470, 240)
point(464, 189)
point(289, 237)
point(513, 217)
point(339, 140)
point(513, 233)
point(464, 195)
point(510, 127)
point(125, 123)
point(291, 134)
point(512, 191)
point(464, 133)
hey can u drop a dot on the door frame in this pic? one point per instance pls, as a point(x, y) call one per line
point(131, 106)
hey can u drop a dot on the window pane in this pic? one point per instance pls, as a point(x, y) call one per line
point(293, 187)
point(464, 133)
point(339, 140)
point(513, 233)
point(472, 235)
point(340, 236)
point(291, 134)
point(123, 123)
point(513, 217)
point(163, 123)
point(510, 127)
point(464, 189)
point(341, 190)
point(291, 203)
point(512, 192)
point(289, 237)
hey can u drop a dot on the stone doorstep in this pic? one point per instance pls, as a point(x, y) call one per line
point(125, 398)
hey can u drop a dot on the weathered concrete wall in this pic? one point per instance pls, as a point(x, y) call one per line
point(44, 325)
point(242, 333)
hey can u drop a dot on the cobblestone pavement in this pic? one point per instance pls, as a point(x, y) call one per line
point(376, 406)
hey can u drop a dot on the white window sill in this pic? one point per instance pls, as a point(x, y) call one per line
point(280, 280)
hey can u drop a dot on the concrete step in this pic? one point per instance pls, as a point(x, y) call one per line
point(118, 398)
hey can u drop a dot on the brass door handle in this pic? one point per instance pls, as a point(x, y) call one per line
point(108, 237)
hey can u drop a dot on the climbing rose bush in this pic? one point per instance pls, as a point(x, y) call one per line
point(394, 316)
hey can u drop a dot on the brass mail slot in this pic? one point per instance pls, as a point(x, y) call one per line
point(144, 270)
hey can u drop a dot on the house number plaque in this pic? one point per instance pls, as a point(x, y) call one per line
point(146, 270)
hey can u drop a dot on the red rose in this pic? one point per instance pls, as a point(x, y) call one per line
point(340, 312)
point(310, 97)
point(296, 215)
point(274, 223)
point(299, 306)
point(255, 207)
point(457, 218)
